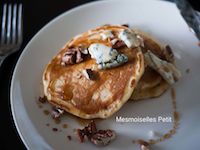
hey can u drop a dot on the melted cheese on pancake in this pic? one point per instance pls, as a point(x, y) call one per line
point(67, 88)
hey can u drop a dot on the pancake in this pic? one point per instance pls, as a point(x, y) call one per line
point(69, 88)
point(151, 83)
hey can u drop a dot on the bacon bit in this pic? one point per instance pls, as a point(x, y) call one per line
point(42, 99)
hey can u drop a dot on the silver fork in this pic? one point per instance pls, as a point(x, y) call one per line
point(11, 30)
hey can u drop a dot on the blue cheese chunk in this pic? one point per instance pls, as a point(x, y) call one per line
point(102, 53)
point(167, 70)
point(120, 59)
point(106, 57)
point(129, 38)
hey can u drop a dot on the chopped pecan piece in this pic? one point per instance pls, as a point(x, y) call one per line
point(98, 137)
point(81, 135)
point(143, 145)
point(103, 137)
point(56, 113)
point(78, 56)
point(88, 131)
point(69, 137)
point(74, 55)
point(118, 44)
point(89, 74)
point(69, 57)
point(168, 54)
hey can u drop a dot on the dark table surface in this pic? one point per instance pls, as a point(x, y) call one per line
point(37, 13)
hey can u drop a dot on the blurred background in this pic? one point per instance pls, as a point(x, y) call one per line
point(36, 13)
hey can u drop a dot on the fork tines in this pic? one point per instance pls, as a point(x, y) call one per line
point(11, 27)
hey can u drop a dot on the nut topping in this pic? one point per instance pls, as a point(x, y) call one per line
point(103, 137)
point(81, 135)
point(88, 131)
point(74, 55)
point(89, 74)
point(118, 44)
point(168, 54)
point(97, 137)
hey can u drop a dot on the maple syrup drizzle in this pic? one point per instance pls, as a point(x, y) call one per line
point(176, 117)
point(171, 132)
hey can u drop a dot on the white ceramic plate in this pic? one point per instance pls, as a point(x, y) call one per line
point(160, 19)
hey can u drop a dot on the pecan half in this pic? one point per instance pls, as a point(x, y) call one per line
point(74, 55)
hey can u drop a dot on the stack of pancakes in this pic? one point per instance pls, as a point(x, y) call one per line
point(68, 88)
point(151, 83)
